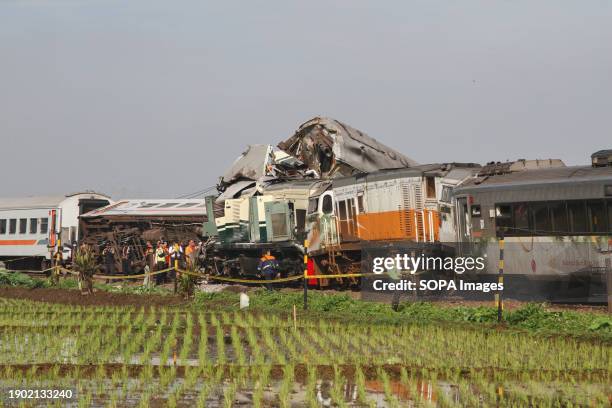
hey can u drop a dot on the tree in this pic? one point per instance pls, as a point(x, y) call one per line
point(85, 264)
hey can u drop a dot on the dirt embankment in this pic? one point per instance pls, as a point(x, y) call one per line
point(98, 298)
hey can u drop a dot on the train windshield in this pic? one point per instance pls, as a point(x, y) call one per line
point(313, 205)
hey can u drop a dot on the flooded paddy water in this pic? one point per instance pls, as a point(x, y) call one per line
point(129, 356)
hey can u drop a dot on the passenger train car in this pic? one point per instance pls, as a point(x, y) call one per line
point(556, 223)
point(33, 228)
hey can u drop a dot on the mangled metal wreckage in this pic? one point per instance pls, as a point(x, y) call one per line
point(264, 196)
point(134, 222)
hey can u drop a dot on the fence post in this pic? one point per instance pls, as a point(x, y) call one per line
point(305, 274)
point(500, 276)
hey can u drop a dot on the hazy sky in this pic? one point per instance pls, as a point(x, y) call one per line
point(147, 98)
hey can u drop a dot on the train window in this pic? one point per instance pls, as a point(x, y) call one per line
point(342, 210)
point(360, 204)
point(23, 225)
point(475, 210)
point(596, 211)
point(33, 225)
point(328, 205)
point(577, 216)
point(541, 218)
point(12, 226)
point(44, 225)
point(313, 205)
point(503, 211)
point(2, 226)
point(300, 220)
point(608, 190)
point(430, 184)
point(558, 214)
point(503, 216)
point(609, 215)
point(521, 218)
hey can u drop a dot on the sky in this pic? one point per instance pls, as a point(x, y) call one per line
point(157, 98)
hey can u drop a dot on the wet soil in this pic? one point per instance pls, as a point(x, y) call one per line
point(98, 298)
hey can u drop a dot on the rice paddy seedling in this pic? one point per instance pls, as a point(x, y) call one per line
point(386, 383)
point(337, 389)
point(237, 346)
point(229, 395)
point(220, 337)
point(447, 366)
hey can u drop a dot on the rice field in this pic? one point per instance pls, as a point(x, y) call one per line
point(176, 357)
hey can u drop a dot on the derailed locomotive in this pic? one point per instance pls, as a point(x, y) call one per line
point(336, 217)
point(383, 209)
point(272, 218)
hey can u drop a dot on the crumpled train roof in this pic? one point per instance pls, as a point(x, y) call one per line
point(350, 146)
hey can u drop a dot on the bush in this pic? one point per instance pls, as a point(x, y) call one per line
point(8, 278)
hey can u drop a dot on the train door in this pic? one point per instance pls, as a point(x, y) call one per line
point(463, 220)
point(347, 219)
point(327, 220)
point(254, 219)
point(279, 220)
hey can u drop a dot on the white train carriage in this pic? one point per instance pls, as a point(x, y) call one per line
point(33, 228)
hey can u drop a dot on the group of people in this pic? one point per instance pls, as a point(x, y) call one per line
point(158, 258)
point(165, 255)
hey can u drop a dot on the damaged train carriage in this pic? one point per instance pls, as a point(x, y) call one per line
point(272, 218)
point(134, 222)
point(382, 209)
point(264, 195)
point(556, 222)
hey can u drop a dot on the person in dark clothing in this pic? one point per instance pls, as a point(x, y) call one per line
point(126, 259)
point(109, 259)
point(268, 266)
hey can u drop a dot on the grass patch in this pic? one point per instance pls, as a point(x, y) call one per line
point(531, 317)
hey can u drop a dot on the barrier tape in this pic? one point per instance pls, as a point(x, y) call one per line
point(212, 277)
point(289, 279)
point(142, 275)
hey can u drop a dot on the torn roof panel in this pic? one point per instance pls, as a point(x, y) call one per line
point(251, 164)
point(258, 161)
point(332, 149)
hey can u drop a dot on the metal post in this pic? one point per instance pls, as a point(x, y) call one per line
point(500, 276)
point(305, 274)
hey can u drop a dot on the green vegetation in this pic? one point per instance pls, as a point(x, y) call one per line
point(345, 351)
point(531, 317)
point(8, 278)
point(122, 356)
